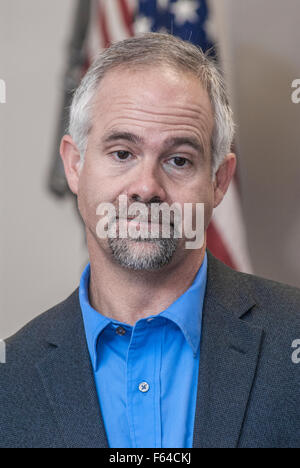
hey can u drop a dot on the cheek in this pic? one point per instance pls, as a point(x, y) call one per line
point(93, 189)
point(84, 202)
point(205, 194)
point(209, 204)
point(89, 195)
point(207, 214)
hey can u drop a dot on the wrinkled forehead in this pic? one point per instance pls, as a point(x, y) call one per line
point(157, 94)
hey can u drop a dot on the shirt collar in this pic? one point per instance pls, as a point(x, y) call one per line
point(185, 312)
point(94, 322)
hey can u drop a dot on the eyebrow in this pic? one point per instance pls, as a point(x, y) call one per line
point(169, 142)
point(115, 136)
point(185, 141)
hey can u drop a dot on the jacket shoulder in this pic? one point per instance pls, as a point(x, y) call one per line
point(273, 301)
point(267, 289)
point(26, 418)
point(279, 299)
point(32, 339)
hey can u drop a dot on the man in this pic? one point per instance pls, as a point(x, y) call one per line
point(162, 345)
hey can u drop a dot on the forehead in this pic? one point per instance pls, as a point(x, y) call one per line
point(152, 97)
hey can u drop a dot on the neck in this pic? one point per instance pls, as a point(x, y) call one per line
point(127, 295)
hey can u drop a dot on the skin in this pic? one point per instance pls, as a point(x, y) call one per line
point(157, 105)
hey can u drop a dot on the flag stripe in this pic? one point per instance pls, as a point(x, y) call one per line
point(228, 220)
point(103, 25)
point(127, 16)
point(217, 246)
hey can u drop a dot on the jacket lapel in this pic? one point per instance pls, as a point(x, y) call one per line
point(228, 359)
point(68, 380)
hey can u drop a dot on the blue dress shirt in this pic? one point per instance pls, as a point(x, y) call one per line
point(146, 376)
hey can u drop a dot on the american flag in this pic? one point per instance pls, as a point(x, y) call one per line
point(114, 20)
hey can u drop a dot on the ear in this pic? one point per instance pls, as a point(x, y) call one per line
point(71, 160)
point(223, 178)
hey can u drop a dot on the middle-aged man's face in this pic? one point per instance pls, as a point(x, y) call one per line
point(150, 140)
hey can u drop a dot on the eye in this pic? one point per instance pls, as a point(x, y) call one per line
point(179, 161)
point(121, 155)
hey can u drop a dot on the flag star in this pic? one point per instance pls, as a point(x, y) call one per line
point(163, 4)
point(142, 24)
point(210, 28)
point(185, 10)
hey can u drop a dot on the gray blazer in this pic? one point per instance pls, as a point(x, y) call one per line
point(248, 388)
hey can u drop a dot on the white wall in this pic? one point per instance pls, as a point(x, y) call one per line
point(260, 44)
point(41, 242)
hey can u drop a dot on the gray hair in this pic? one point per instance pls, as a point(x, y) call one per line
point(155, 49)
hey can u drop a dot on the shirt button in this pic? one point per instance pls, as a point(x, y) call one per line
point(144, 387)
point(120, 331)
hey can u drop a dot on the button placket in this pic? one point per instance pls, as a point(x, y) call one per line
point(141, 386)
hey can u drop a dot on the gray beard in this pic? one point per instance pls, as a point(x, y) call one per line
point(130, 254)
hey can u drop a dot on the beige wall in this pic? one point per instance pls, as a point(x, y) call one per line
point(260, 44)
point(41, 243)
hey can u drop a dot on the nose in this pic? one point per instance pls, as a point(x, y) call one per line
point(147, 186)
